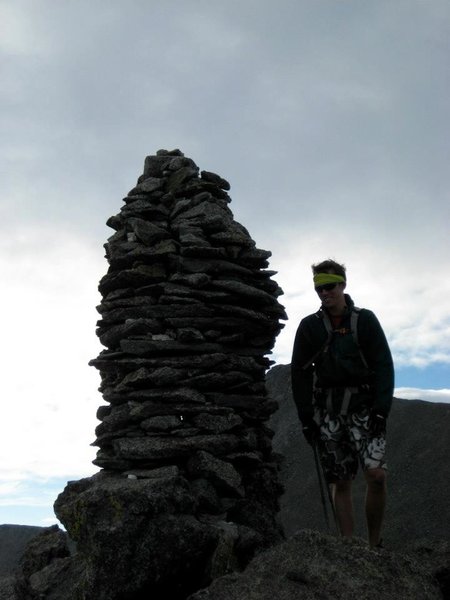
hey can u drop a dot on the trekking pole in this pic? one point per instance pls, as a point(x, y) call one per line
point(322, 493)
point(322, 482)
point(333, 510)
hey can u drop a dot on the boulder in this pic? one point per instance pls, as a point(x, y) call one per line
point(313, 566)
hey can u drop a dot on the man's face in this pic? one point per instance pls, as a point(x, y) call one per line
point(332, 298)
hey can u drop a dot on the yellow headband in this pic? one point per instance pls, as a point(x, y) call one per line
point(324, 278)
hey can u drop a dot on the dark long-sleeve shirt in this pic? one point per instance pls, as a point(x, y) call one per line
point(312, 336)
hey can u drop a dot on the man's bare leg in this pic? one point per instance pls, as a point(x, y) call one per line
point(343, 506)
point(375, 503)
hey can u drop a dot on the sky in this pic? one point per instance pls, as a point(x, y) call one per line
point(329, 118)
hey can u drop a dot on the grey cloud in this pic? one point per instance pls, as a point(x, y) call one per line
point(318, 113)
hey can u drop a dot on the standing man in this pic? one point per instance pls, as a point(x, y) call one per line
point(343, 382)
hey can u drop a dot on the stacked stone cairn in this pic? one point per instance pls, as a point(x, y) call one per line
point(189, 312)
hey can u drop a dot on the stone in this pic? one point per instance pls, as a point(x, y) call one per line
point(149, 449)
point(189, 334)
point(158, 473)
point(208, 176)
point(180, 176)
point(134, 278)
point(46, 547)
point(195, 280)
point(154, 166)
point(147, 232)
point(156, 347)
point(145, 538)
point(245, 291)
point(163, 424)
point(206, 495)
point(147, 210)
point(200, 212)
point(111, 336)
point(46, 558)
point(162, 152)
point(150, 184)
point(217, 423)
point(311, 565)
point(8, 588)
point(220, 473)
point(164, 376)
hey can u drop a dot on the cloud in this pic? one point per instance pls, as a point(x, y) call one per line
point(408, 294)
point(29, 501)
point(17, 35)
point(49, 391)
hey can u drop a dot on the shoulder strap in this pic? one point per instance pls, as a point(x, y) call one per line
point(354, 327)
point(354, 324)
point(326, 321)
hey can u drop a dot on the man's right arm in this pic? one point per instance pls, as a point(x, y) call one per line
point(302, 374)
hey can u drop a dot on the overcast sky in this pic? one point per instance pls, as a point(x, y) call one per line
point(330, 119)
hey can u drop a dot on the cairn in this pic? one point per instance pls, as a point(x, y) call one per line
point(189, 312)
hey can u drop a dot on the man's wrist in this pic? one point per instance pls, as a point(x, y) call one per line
point(377, 422)
point(311, 431)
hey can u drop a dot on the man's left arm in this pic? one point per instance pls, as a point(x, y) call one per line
point(376, 351)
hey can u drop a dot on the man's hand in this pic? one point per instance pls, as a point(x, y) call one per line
point(377, 423)
point(311, 431)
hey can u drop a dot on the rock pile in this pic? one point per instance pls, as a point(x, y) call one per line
point(189, 312)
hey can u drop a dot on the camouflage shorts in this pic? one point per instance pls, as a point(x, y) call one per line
point(345, 442)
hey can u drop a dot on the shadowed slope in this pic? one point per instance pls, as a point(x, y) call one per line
point(418, 462)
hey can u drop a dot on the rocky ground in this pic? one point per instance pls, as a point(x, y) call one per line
point(311, 566)
point(308, 565)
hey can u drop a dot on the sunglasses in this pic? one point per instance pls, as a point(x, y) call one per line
point(327, 287)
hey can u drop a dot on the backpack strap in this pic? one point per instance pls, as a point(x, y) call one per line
point(354, 327)
point(348, 393)
point(326, 321)
point(328, 326)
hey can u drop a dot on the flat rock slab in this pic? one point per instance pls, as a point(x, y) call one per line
point(311, 565)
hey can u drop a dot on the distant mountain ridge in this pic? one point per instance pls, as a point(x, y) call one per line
point(418, 456)
point(13, 539)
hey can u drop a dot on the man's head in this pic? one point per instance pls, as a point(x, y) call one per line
point(329, 266)
point(329, 282)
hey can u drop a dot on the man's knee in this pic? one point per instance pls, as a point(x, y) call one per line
point(376, 479)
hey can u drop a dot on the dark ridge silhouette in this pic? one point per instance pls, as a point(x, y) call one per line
point(13, 539)
point(418, 463)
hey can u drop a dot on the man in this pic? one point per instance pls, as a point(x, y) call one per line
point(343, 381)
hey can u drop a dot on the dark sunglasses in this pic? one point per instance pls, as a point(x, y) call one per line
point(327, 287)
